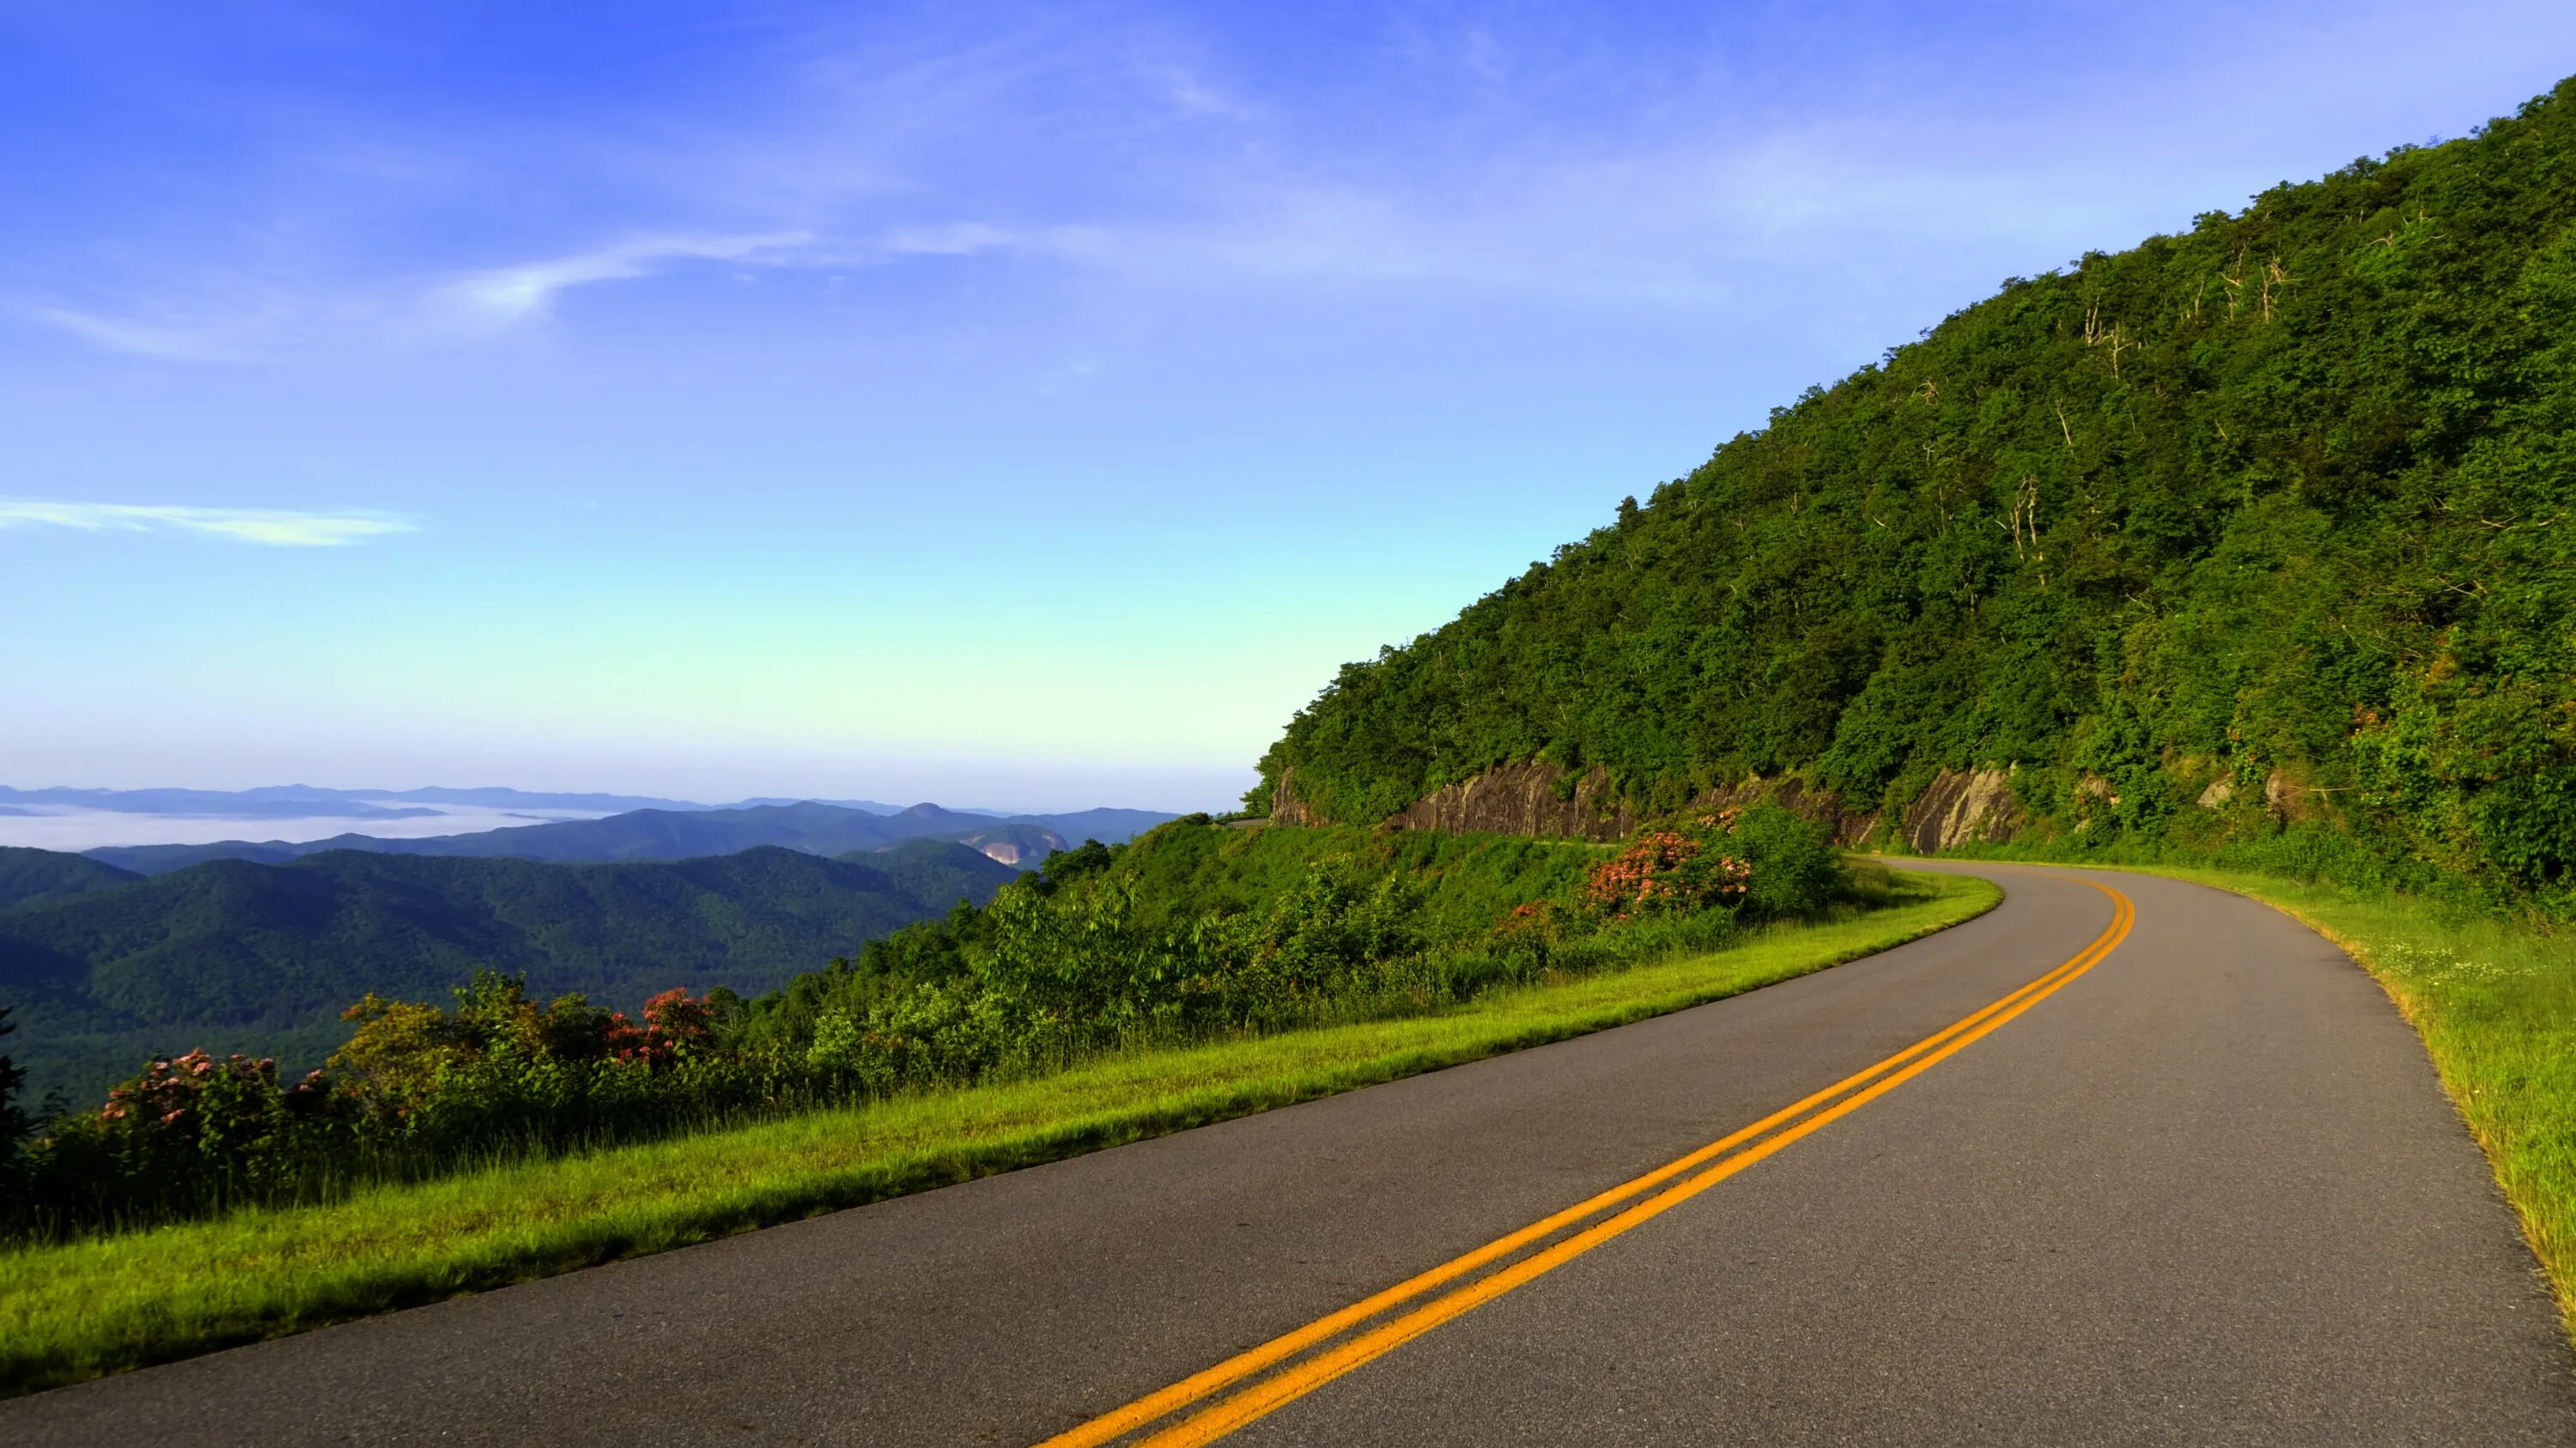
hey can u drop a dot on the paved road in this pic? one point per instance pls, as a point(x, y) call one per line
point(2205, 1192)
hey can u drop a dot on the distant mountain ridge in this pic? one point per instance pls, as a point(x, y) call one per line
point(315, 801)
point(662, 834)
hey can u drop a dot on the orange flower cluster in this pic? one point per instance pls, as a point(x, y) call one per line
point(1666, 868)
point(675, 1024)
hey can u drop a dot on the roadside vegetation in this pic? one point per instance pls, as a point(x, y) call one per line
point(1195, 933)
point(77, 1304)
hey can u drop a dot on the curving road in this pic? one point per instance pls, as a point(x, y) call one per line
point(2146, 1164)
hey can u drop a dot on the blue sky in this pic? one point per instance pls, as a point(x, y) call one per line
point(991, 403)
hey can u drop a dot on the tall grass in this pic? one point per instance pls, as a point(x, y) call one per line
point(76, 1309)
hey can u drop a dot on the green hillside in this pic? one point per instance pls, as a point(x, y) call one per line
point(2262, 524)
point(262, 956)
point(28, 875)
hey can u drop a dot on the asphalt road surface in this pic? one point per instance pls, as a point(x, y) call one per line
point(2202, 1189)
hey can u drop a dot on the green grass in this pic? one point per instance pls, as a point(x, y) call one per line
point(2494, 998)
point(75, 1310)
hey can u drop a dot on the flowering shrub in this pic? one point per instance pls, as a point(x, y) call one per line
point(676, 1025)
point(185, 1126)
point(1528, 937)
point(1666, 869)
point(416, 1089)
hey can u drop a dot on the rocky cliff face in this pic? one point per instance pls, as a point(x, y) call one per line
point(1529, 799)
point(1962, 807)
point(1285, 807)
point(1524, 799)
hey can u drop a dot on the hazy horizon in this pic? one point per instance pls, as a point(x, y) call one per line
point(74, 829)
point(77, 830)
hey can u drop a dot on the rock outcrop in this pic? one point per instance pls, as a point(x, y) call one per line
point(1286, 808)
point(1523, 799)
point(2290, 800)
point(1962, 807)
point(1534, 800)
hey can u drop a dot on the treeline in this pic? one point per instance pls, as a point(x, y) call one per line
point(2268, 521)
point(1195, 931)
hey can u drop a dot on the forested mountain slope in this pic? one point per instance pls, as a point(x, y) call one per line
point(2262, 523)
point(31, 875)
point(245, 950)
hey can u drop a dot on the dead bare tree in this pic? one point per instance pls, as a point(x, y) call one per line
point(2025, 516)
point(2272, 276)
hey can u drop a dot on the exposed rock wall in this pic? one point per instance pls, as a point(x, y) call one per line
point(1962, 807)
point(1521, 799)
point(1285, 807)
point(1524, 799)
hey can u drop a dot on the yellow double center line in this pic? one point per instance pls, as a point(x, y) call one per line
point(1765, 1136)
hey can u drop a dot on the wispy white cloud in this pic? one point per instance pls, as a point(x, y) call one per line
point(238, 322)
point(499, 297)
point(279, 527)
point(1156, 157)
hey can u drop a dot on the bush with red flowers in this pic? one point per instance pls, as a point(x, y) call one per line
point(186, 1127)
point(1666, 870)
point(676, 1026)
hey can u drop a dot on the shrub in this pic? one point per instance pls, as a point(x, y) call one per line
point(14, 1124)
point(1793, 868)
point(189, 1131)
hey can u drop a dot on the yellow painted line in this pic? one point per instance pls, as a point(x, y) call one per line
point(1163, 1403)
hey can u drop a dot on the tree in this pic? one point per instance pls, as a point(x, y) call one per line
point(14, 1124)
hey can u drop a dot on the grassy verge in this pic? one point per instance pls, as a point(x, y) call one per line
point(79, 1309)
point(2494, 999)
